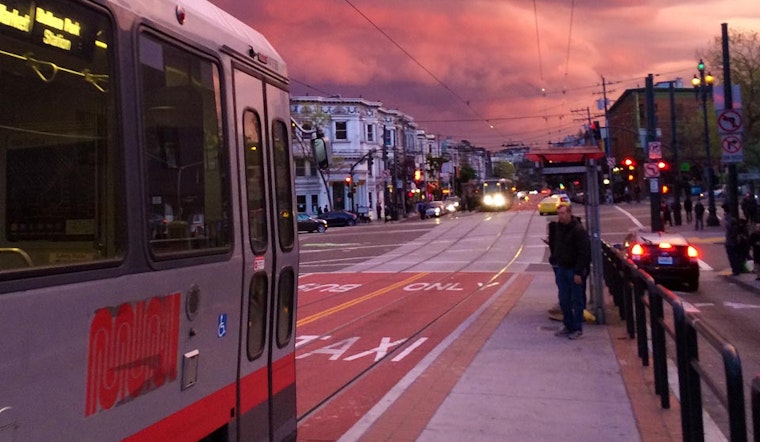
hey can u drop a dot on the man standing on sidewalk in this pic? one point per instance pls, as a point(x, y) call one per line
point(572, 255)
point(699, 215)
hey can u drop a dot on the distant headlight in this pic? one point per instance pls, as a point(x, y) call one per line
point(495, 200)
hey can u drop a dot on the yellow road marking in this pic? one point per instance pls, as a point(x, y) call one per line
point(345, 305)
point(707, 240)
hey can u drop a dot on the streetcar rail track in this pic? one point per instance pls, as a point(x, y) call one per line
point(422, 328)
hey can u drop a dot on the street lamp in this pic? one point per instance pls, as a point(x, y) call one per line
point(704, 83)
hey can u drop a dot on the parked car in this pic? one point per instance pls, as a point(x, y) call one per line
point(667, 257)
point(435, 208)
point(308, 223)
point(339, 218)
point(550, 204)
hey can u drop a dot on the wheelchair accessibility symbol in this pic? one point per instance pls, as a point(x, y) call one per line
point(221, 329)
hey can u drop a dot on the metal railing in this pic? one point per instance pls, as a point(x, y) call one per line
point(634, 292)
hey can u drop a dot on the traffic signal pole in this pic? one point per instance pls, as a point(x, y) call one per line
point(675, 167)
point(733, 183)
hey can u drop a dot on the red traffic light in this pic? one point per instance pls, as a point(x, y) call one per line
point(629, 162)
point(662, 165)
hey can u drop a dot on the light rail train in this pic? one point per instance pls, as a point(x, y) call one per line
point(496, 194)
point(148, 243)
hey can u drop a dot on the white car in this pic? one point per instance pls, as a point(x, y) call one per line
point(453, 204)
point(435, 208)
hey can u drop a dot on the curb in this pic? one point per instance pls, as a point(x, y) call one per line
point(748, 285)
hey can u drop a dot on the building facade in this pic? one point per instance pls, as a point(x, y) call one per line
point(627, 126)
point(370, 149)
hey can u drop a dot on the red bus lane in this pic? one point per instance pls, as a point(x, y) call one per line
point(359, 334)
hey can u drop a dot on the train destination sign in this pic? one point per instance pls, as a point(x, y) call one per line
point(47, 24)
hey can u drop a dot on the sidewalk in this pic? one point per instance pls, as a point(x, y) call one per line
point(527, 384)
point(522, 383)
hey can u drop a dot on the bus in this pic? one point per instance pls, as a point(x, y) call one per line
point(496, 194)
point(148, 242)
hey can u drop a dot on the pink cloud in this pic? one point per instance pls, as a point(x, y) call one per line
point(486, 54)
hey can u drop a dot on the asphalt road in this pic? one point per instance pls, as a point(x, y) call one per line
point(731, 308)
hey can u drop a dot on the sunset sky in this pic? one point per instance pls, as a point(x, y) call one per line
point(475, 69)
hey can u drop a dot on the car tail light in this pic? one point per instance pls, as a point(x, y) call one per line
point(692, 253)
point(665, 245)
point(637, 251)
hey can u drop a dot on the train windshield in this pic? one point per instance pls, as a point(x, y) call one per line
point(58, 148)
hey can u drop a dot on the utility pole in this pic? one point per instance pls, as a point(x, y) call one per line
point(654, 183)
point(586, 119)
point(607, 146)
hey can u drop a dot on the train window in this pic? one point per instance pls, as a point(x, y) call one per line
point(187, 203)
point(283, 185)
point(255, 184)
point(61, 199)
point(257, 306)
point(285, 306)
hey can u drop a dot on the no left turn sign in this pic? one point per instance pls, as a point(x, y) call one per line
point(730, 121)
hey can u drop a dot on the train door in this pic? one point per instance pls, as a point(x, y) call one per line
point(266, 390)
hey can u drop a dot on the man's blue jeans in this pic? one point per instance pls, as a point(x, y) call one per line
point(572, 298)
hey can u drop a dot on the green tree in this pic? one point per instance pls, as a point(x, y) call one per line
point(504, 169)
point(744, 50)
point(466, 173)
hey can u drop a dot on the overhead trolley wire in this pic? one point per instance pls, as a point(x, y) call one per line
point(418, 63)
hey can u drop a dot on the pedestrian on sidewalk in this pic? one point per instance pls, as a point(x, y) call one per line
point(699, 215)
point(572, 257)
point(665, 214)
point(754, 242)
point(732, 242)
point(687, 207)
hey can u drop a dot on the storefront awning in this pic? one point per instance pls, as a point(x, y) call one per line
point(565, 154)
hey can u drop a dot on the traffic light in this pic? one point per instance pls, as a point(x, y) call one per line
point(596, 130)
point(663, 166)
point(629, 163)
point(665, 189)
point(631, 177)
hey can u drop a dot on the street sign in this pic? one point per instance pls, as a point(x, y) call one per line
point(732, 149)
point(655, 150)
point(747, 176)
point(730, 121)
point(611, 161)
point(654, 185)
point(651, 170)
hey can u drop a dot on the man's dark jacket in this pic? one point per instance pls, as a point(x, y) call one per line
point(570, 246)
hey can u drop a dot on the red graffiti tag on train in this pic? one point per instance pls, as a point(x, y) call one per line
point(132, 350)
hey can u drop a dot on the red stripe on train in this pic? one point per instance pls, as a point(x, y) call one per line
point(206, 415)
point(283, 375)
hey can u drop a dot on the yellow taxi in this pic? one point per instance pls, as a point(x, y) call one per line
point(550, 204)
